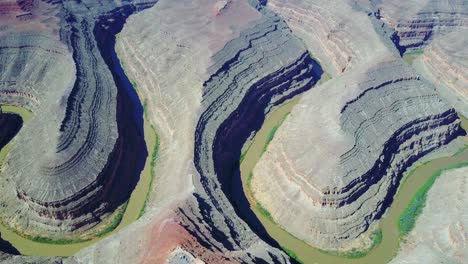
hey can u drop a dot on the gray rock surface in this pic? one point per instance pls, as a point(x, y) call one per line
point(343, 149)
point(416, 22)
point(445, 63)
point(60, 173)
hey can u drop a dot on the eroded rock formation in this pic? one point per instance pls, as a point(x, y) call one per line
point(342, 152)
point(64, 172)
point(416, 22)
point(207, 80)
point(337, 35)
point(445, 63)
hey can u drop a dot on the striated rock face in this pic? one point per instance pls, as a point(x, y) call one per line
point(445, 63)
point(338, 36)
point(416, 22)
point(64, 172)
point(336, 162)
point(195, 73)
point(439, 235)
point(258, 70)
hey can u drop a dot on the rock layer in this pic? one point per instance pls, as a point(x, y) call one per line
point(64, 172)
point(445, 63)
point(171, 61)
point(416, 23)
point(336, 162)
point(337, 35)
point(260, 69)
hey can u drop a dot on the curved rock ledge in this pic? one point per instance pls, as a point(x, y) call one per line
point(417, 22)
point(326, 29)
point(334, 165)
point(445, 63)
point(260, 69)
point(64, 172)
point(169, 59)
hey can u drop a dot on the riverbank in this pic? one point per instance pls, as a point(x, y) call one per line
point(120, 218)
point(386, 242)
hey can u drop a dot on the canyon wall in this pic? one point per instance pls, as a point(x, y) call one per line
point(445, 63)
point(334, 165)
point(64, 173)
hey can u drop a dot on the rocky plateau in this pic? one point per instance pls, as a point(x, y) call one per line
point(204, 76)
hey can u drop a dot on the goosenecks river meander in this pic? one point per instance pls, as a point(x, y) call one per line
point(389, 245)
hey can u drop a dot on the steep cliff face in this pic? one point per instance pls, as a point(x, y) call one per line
point(445, 63)
point(64, 173)
point(256, 71)
point(416, 23)
point(171, 61)
point(338, 36)
point(342, 152)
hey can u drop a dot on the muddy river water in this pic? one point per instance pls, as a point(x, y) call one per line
point(132, 212)
point(389, 245)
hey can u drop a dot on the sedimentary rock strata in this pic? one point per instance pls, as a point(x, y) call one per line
point(337, 35)
point(336, 162)
point(440, 232)
point(445, 63)
point(416, 23)
point(255, 72)
point(65, 172)
point(187, 69)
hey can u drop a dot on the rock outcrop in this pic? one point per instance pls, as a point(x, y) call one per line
point(65, 173)
point(416, 22)
point(440, 233)
point(334, 165)
point(445, 63)
point(195, 79)
point(337, 35)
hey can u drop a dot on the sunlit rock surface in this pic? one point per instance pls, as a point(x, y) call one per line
point(440, 232)
point(196, 75)
point(335, 163)
point(338, 36)
point(416, 22)
point(64, 172)
point(445, 63)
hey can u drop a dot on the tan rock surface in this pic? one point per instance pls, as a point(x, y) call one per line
point(337, 35)
point(441, 231)
point(445, 63)
point(328, 172)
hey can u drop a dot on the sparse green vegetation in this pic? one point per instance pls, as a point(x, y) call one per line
point(410, 56)
point(115, 221)
point(409, 216)
point(359, 253)
point(270, 137)
point(134, 84)
point(272, 133)
point(264, 212)
point(292, 254)
point(154, 156)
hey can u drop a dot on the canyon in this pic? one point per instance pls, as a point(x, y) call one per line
point(235, 131)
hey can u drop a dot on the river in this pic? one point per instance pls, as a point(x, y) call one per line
point(389, 245)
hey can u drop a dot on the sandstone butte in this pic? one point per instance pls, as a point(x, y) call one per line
point(206, 74)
